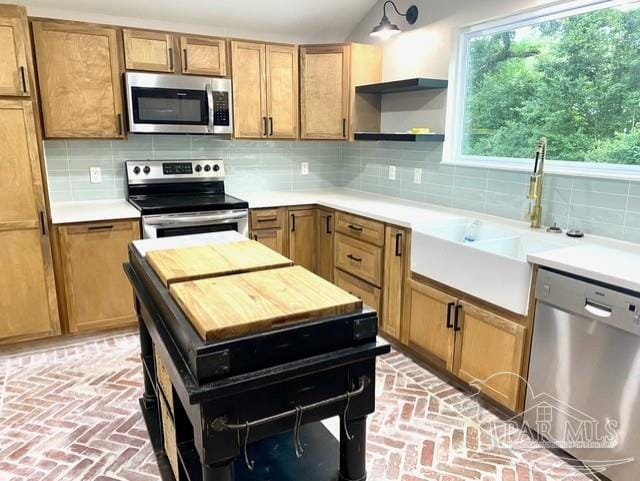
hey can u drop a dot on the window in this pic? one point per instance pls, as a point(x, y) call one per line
point(571, 75)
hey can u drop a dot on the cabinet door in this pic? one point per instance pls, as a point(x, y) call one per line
point(98, 294)
point(204, 56)
point(149, 51)
point(14, 77)
point(79, 78)
point(396, 253)
point(428, 318)
point(282, 91)
point(325, 244)
point(249, 90)
point(489, 351)
point(324, 92)
point(272, 238)
point(302, 238)
point(27, 292)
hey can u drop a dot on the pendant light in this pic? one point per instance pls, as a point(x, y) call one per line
point(385, 29)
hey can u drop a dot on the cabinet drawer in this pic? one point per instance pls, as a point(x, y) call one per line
point(359, 259)
point(164, 382)
point(267, 218)
point(369, 294)
point(360, 228)
point(169, 437)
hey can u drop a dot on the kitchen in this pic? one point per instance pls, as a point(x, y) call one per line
point(396, 151)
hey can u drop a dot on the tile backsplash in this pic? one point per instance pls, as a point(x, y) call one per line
point(250, 166)
point(605, 207)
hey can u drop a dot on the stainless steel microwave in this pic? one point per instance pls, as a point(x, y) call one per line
point(178, 104)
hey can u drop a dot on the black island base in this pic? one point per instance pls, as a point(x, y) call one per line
point(249, 408)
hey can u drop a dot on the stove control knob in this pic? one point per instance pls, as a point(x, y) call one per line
point(136, 170)
point(146, 169)
point(198, 168)
point(216, 167)
point(207, 168)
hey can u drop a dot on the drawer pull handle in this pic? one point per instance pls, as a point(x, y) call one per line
point(270, 125)
point(329, 224)
point(456, 325)
point(186, 64)
point(449, 307)
point(354, 258)
point(23, 79)
point(100, 227)
point(43, 224)
point(293, 222)
point(267, 219)
point(399, 244)
point(355, 228)
point(170, 53)
point(264, 120)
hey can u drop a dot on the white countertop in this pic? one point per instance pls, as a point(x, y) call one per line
point(607, 260)
point(91, 211)
point(592, 261)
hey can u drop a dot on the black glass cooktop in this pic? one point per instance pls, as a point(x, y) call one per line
point(183, 203)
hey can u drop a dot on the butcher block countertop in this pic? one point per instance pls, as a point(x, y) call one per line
point(242, 304)
point(213, 260)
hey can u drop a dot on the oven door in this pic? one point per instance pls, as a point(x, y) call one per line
point(169, 225)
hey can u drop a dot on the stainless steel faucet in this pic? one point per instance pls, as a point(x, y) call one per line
point(535, 186)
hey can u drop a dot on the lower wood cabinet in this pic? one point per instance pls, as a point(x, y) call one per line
point(369, 294)
point(325, 244)
point(478, 346)
point(97, 293)
point(268, 226)
point(396, 267)
point(302, 237)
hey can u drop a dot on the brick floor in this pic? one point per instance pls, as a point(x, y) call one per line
point(71, 413)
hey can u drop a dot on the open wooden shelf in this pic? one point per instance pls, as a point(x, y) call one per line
point(399, 137)
point(407, 85)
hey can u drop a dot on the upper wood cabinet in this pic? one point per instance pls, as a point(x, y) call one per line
point(203, 56)
point(79, 78)
point(14, 71)
point(96, 291)
point(249, 89)
point(265, 90)
point(303, 237)
point(324, 92)
point(27, 292)
point(282, 91)
point(148, 50)
point(329, 74)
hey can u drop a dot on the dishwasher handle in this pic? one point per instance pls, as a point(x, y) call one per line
point(597, 309)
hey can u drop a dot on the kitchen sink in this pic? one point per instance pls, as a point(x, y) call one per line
point(494, 267)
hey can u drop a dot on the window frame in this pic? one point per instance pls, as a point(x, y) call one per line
point(456, 101)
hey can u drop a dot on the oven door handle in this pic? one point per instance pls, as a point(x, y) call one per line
point(195, 219)
point(209, 91)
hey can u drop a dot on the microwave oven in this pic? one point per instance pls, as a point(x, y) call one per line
point(178, 104)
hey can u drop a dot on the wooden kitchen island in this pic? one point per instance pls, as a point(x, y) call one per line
point(243, 356)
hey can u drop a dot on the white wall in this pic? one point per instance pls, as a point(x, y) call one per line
point(425, 50)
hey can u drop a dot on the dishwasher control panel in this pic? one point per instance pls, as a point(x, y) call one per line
point(617, 308)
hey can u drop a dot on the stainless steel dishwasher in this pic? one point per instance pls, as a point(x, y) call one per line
point(584, 372)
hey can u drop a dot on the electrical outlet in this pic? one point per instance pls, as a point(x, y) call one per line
point(392, 172)
point(304, 168)
point(417, 175)
point(95, 174)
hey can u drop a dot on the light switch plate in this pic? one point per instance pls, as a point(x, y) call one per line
point(392, 172)
point(95, 175)
point(417, 175)
point(304, 168)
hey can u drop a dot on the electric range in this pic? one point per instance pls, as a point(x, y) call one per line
point(182, 197)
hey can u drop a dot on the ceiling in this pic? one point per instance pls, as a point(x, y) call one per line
point(284, 20)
